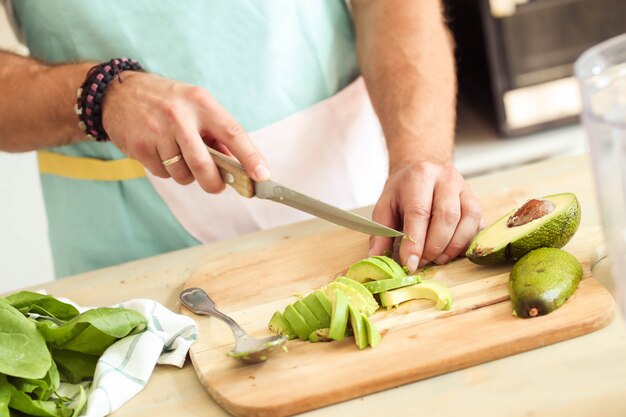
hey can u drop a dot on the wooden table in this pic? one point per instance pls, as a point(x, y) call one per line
point(585, 376)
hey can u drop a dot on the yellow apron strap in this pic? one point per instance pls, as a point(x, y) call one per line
point(80, 168)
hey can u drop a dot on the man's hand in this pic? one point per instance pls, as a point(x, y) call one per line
point(152, 119)
point(434, 207)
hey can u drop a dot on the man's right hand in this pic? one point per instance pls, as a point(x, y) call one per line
point(152, 119)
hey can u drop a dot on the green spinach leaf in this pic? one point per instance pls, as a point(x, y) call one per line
point(23, 351)
point(22, 402)
point(43, 304)
point(93, 331)
point(5, 396)
point(74, 366)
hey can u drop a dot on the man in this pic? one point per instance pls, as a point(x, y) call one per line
point(286, 72)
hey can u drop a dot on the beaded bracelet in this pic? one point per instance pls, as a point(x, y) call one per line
point(90, 95)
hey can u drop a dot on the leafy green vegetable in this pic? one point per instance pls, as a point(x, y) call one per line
point(43, 304)
point(44, 342)
point(21, 401)
point(93, 331)
point(23, 351)
point(74, 366)
point(5, 396)
point(42, 388)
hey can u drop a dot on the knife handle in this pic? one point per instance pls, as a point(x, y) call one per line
point(233, 174)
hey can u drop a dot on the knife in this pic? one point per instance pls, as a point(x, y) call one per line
point(233, 174)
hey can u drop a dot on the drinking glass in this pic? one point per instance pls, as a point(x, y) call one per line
point(601, 74)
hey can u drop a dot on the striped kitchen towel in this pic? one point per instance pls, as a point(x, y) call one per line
point(125, 367)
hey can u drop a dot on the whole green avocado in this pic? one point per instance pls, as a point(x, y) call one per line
point(542, 281)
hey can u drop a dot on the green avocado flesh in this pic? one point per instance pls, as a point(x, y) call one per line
point(376, 287)
point(315, 306)
point(308, 315)
point(358, 327)
point(373, 336)
point(369, 270)
point(431, 290)
point(542, 281)
point(297, 322)
point(339, 320)
point(353, 296)
point(324, 301)
point(363, 292)
point(550, 221)
point(279, 325)
point(394, 267)
point(320, 335)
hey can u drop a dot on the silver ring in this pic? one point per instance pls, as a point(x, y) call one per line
point(172, 160)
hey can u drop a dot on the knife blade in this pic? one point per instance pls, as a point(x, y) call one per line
point(234, 174)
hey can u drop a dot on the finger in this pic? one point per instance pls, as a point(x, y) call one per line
point(385, 214)
point(226, 130)
point(199, 160)
point(466, 229)
point(417, 207)
point(178, 170)
point(144, 152)
point(446, 215)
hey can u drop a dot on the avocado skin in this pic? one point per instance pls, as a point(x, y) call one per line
point(553, 234)
point(542, 281)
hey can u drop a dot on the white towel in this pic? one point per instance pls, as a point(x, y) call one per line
point(125, 367)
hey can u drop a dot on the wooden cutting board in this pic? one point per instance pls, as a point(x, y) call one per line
point(418, 341)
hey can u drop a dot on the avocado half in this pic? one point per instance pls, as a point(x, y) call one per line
point(549, 221)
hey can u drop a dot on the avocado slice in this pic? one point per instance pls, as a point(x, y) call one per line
point(308, 315)
point(317, 309)
point(363, 292)
point(373, 335)
point(358, 327)
point(324, 301)
point(351, 294)
point(376, 287)
point(550, 221)
point(339, 320)
point(369, 269)
point(297, 322)
point(542, 281)
point(279, 325)
point(395, 268)
point(431, 290)
point(320, 335)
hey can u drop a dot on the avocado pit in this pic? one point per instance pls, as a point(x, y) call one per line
point(533, 209)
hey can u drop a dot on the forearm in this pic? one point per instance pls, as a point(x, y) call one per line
point(406, 57)
point(37, 103)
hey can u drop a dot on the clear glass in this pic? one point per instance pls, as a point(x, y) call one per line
point(601, 73)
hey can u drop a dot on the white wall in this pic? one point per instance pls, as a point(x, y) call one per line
point(24, 251)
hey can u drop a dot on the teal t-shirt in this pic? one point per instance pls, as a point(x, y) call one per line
point(263, 61)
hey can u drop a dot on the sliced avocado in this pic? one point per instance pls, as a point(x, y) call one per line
point(317, 309)
point(542, 281)
point(431, 290)
point(279, 325)
point(369, 270)
point(550, 221)
point(324, 301)
point(396, 269)
point(320, 335)
point(363, 292)
point(297, 322)
point(376, 287)
point(339, 320)
point(373, 335)
point(358, 327)
point(353, 296)
point(308, 315)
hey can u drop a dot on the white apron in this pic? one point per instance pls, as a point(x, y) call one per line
point(333, 151)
